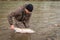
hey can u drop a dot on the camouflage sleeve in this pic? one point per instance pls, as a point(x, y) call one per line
point(26, 23)
point(10, 16)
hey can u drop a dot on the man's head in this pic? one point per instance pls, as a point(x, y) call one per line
point(29, 8)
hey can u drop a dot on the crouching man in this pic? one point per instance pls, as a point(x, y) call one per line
point(21, 17)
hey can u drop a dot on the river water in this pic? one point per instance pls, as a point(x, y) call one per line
point(45, 20)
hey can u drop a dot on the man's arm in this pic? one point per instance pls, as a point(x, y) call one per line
point(11, 15)
point(10, 20)
point(26, 22)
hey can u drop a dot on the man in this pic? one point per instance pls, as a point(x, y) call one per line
point(21, 17)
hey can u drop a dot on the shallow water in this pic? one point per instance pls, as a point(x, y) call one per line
point(43, 20)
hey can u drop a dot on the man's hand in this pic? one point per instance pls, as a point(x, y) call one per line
point(12, 27)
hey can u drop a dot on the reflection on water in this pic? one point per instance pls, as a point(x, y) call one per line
point(19, 36)
point(43, 20)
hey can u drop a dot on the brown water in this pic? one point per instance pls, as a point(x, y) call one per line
point(43, 20)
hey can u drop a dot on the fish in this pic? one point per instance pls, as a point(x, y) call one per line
point(24, 30)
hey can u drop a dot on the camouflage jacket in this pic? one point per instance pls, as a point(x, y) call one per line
point(20, 15)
